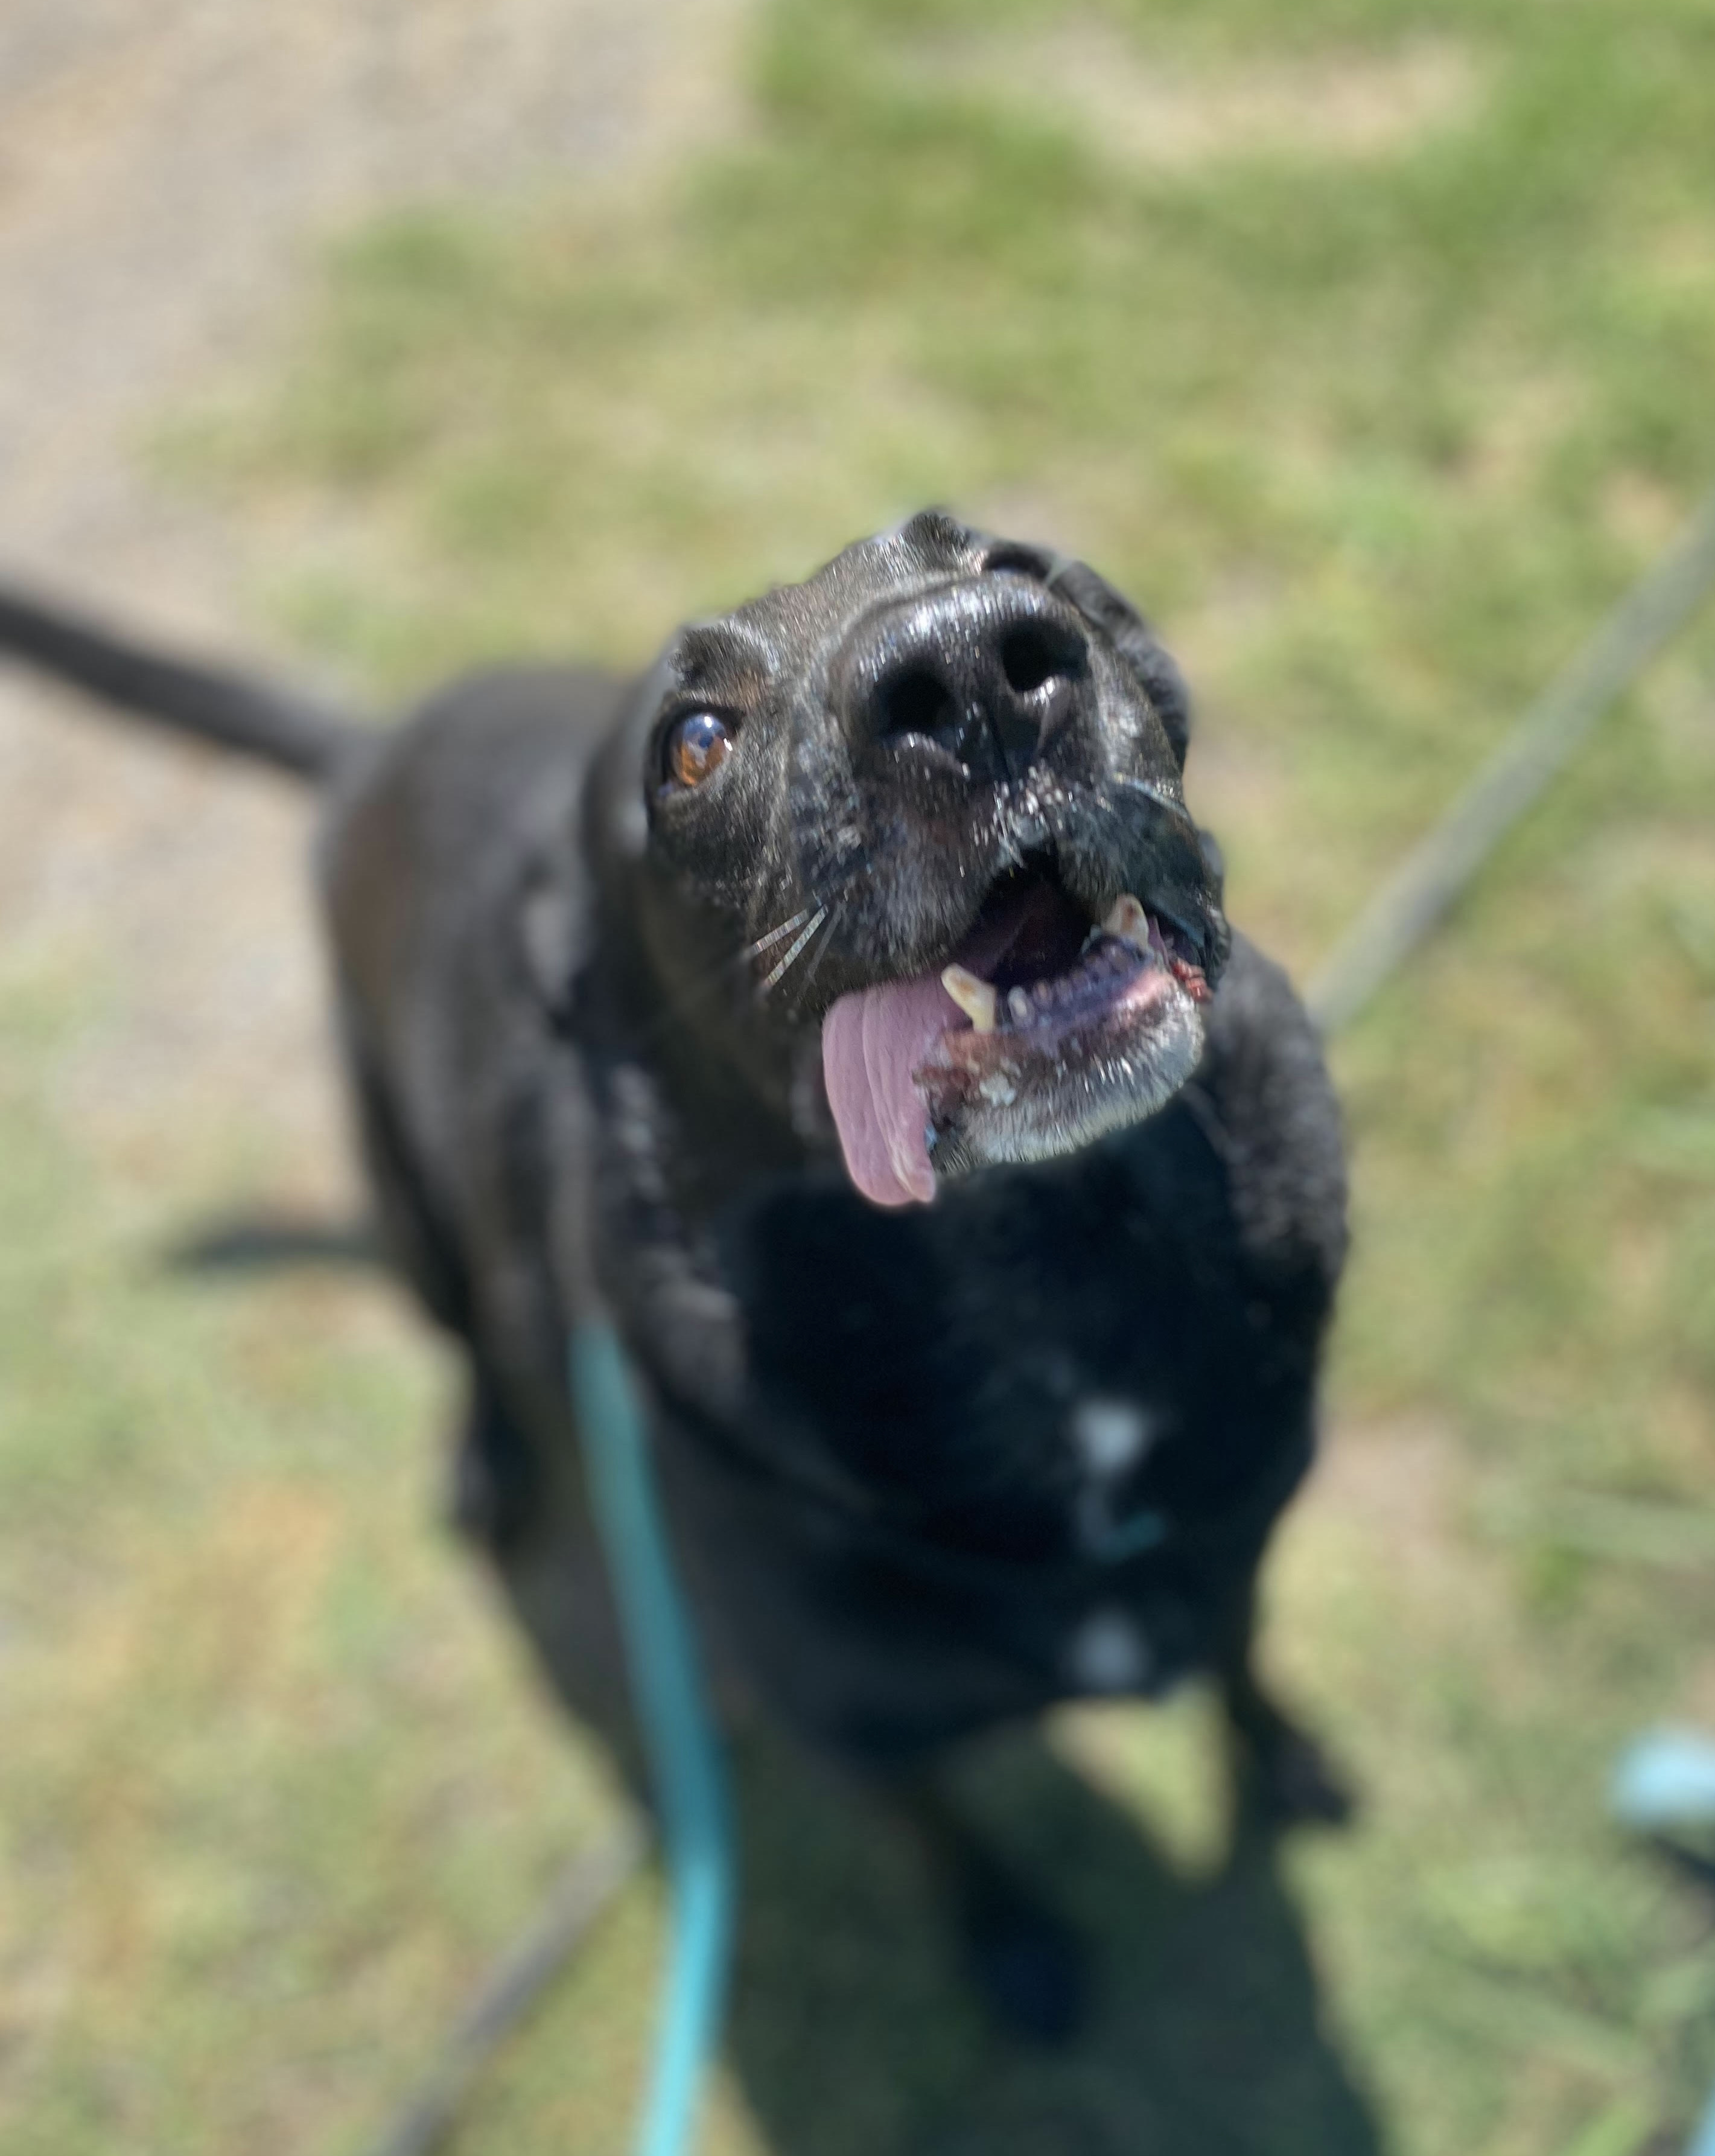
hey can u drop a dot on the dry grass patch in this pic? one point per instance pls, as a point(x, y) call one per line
point(1152, 111)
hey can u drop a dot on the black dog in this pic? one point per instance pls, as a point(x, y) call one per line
point(848, 1008)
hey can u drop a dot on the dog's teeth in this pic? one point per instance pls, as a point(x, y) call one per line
point(1128, 922)
point(974, 996)
point(1018, 1003)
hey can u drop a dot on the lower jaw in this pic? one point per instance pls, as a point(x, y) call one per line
point(1045, 1093)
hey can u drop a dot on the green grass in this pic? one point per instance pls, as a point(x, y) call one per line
point(236, 1904)
point(1376, 422)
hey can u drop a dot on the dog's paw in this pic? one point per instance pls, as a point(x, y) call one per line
point(1292, 1782)
point(1030, 1969)
point(492, 1495)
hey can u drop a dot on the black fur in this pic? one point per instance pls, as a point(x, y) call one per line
point(570, 1092)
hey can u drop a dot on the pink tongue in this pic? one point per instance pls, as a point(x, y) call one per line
point(871, 1043)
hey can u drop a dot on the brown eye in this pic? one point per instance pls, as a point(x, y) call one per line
point(697, 748)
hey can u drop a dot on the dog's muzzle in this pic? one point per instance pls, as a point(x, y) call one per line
point(1051, 1021)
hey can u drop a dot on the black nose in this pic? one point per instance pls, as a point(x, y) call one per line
point(988, 671)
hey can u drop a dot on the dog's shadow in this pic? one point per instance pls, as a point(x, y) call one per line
point(852, 2032)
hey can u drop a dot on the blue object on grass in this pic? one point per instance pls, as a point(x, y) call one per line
point(1665, 1779)
point(684, 1757)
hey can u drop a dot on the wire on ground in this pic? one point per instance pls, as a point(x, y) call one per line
point(1412, 901)
point(583, 1892)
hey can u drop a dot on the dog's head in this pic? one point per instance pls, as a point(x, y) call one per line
point(928, 806)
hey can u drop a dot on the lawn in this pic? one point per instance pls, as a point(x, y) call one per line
point(1371, 345)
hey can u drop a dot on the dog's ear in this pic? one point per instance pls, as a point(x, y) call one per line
point(1131, 637)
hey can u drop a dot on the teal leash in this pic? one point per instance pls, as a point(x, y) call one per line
point(679, 1736)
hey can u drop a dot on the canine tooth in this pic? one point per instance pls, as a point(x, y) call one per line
point(1018, 1003)
point(975, 996)
point(1128, 922)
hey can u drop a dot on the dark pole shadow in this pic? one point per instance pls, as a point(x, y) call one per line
point(254, 1242)
point(853, 2035)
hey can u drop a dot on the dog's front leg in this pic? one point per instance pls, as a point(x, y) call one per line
point(1282, 1776)
point(494, 1484)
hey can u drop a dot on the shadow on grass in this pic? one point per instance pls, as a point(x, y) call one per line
point(851, 2029)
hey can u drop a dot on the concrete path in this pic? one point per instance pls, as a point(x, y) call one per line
point(166, 175)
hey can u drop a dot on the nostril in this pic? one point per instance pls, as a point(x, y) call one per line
point(1035, 652)
point(916, 702)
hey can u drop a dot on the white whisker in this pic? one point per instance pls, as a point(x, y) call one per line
point(809, 973)
point(755, 950)
point(795, 951)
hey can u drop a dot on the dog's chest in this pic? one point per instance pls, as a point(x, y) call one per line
point(1034, 1368)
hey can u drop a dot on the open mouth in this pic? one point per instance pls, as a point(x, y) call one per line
point(1047, 1030)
